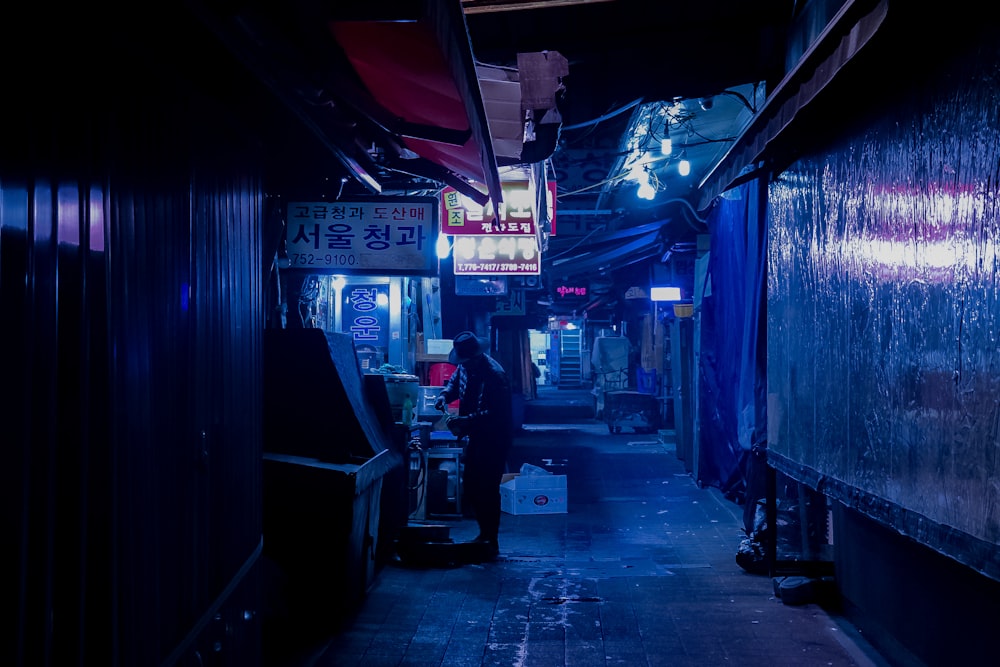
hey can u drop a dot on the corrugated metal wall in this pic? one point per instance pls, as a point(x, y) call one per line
point(131, 300)
point(884, 306)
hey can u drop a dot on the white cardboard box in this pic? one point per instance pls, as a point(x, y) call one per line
point(438, 345)
point(533, 494)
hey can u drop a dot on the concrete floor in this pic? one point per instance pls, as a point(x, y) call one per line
point(640, 570)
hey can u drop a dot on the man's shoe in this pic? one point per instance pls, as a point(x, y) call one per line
point(488, 550)
point(484, 548)
point(478, 552)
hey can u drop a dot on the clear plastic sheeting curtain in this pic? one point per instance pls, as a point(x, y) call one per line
point(884, 308)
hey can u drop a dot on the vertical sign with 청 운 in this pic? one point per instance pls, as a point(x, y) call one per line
point(365, 311)
point(379, 236)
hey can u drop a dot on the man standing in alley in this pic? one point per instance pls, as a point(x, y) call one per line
point(484, 415)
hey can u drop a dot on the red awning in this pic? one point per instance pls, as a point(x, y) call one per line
point(422, 73)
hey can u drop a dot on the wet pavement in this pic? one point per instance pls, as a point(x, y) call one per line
point(640, 570)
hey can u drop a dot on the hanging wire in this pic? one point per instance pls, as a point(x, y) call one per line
point(607, 116)
point(608, 181)
point(690, 209)
point(417, 475)
point(598, 228)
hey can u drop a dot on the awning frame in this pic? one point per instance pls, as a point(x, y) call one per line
point(853, 27)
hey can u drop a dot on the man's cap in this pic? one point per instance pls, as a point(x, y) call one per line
point(467, 345)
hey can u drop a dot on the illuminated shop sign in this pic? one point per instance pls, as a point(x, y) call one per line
point(387, 236)
point(366, 313)
point(515, 217)
point(496, 255)
point(571, 290)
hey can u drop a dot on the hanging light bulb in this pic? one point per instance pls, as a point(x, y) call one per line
point(666, 146)
point(684, 166)
point(646, 189)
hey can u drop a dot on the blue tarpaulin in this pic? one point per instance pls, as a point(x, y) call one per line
point(732, 360)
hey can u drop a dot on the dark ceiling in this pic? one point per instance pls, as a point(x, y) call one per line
point(621, 50)
point(621, 55)
point(618, 51)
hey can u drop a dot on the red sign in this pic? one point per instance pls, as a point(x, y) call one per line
point(515, 217)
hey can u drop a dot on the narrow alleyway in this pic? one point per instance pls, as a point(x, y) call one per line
point(640, 570)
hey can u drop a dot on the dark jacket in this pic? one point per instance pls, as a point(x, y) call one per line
point(486, 400)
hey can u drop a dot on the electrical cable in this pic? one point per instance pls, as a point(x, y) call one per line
point(598, 228)
point(607, 116)
point(418, 485)
point(608, 181)
point(690, 209)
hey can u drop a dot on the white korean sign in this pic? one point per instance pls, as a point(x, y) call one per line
point(496, 255)
point(387, 236)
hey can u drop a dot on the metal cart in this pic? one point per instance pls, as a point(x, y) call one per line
point(635, 409)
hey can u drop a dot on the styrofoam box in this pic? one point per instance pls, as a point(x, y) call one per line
point(438, 345)
point(533, 494)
